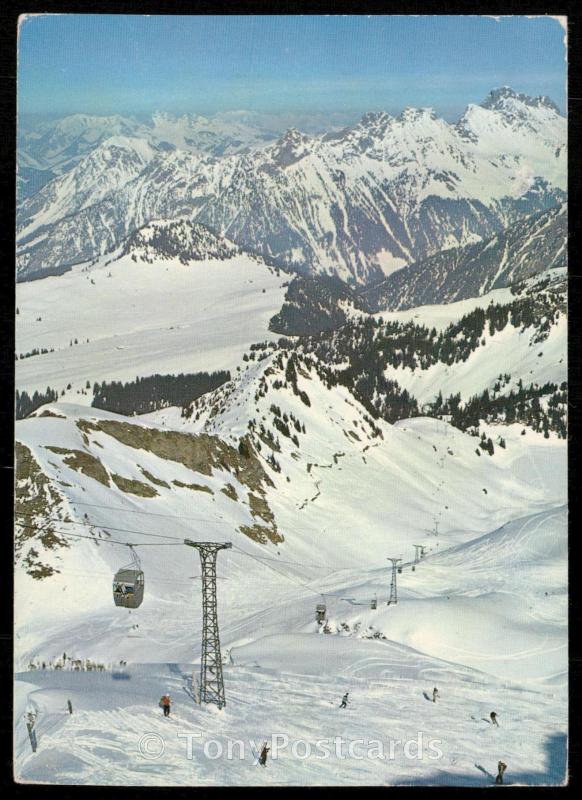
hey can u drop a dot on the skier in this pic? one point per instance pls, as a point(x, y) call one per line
point(435, 694)
point(165, 704)
point(501, 767)
point(493, 716)
point(263, 756)
point(344, 701)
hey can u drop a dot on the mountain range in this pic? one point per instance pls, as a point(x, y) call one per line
point(358, 203)
point(329, 351)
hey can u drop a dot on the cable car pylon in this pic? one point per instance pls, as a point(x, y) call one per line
point(211, 680)
point(393, 599)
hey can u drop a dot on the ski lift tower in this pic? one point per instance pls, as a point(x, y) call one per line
point(211, 680)
point(393, 599)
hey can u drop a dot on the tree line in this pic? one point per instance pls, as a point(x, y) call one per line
point(154, 392)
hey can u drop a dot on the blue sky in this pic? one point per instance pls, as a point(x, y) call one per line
point(132, 64)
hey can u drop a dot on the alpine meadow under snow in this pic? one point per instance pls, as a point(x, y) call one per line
point(380, 311)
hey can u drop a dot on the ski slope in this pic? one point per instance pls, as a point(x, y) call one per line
point(482, 616)
point(284, 688)
point(118, 736)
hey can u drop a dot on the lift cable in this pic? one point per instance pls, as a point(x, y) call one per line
point(178, 540)
point(104, 541)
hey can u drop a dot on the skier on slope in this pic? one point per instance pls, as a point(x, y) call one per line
point(165, 704)
point(501, 767)
point(344, 701)
point(493, 716)
point(435, 694)
point(263, 756)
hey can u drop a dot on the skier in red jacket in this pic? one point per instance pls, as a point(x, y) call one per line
point(165, 704)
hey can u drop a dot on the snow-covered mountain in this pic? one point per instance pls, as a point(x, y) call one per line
point(292, 463)
point(357, 203)
point(50, 148)
point(106, 168)
point(267, 462)
point(59, 144)
point(317, 434)
point(168, 240)
point(530, 246)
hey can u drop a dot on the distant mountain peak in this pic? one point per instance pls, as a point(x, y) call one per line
point(290, 147)
point(410, 114)
point(499, 100)
point(293, 135)
point(375, 118)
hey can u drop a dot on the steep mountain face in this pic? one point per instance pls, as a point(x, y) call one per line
point(530, 246)
point(108, 167)
point(357, 203)
point(49, 149)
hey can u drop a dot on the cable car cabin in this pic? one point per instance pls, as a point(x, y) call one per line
point(400, 570)
point(374, 604)
point(128, 586)
point(320, 612)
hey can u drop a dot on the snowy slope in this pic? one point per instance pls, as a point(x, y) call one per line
point(117, 735)
point(531, 246)
point(512, 351)
point(146, 311)
point(473, 618)
point(342, 462)
point(278, 663)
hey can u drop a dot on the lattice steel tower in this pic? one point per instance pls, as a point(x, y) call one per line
point(393, 586)
point(211, 681)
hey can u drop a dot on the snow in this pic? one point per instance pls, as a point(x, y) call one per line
point(142, 319)
point(509, 351)
point(482, 616)
point(389, 263)
point(284, 687)
point(117, 735)
point(473, 618)
point(439, 316)
point(351, 201)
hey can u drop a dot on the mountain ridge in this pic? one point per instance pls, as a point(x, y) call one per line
point(357, 203)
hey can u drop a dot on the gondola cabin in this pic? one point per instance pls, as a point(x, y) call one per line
point(374, 604)
point(320, 611)
point(128, 588)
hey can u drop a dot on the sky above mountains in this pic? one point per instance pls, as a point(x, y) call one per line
point(133, 64)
